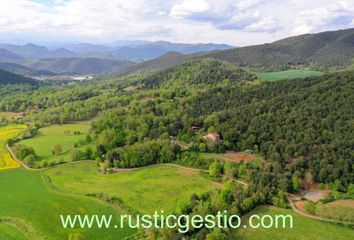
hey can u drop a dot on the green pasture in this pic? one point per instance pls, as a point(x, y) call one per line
point(288, 74)
point(145, 190)
point(46, 138)
point(25, 196)
point(303, 228)
point(10, 232)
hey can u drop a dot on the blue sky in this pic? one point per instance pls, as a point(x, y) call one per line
point(236, 22)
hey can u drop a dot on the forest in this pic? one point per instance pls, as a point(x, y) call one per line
point(303, 128)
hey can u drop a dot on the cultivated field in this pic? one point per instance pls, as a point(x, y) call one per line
point(288, 74)
point(24, 195)
point(8, 132)
point(146, 190)
point(48, 137)
point(303, 228)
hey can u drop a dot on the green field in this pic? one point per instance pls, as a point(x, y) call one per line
point(47, 137)
point(288, 74)
point(10, 232)
point(303, 228)
point(146, 190)
point(25, 196)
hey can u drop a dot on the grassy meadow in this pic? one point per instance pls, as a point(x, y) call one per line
point(234, 157)
point(24, 195)
point(44, 141)
point(145, 190)
point(287, 74)
point(8, 132)
point(10, 232)
point(303, 228)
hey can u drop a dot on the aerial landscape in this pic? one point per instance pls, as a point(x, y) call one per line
point(176, 120)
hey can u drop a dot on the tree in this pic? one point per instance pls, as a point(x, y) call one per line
point(58, 149)
point(75, 155)
point(308, 180)
point(296, 182)
point(30, 160)
point(215, 169)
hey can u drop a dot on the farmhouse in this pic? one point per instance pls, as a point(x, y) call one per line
point(214, 137)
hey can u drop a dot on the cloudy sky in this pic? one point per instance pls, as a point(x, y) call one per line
point(236, 22)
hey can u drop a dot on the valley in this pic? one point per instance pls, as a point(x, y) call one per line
point(190, 129)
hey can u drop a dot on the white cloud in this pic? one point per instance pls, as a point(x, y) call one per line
point(189, 7)
point(263, 25)
point(240, 22)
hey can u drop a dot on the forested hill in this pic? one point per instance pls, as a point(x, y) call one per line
point(300, 125)
point(200, 71)
point(11, 78)
point(80, 65)
point(327, 49)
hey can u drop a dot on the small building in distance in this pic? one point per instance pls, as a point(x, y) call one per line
point(213, 137)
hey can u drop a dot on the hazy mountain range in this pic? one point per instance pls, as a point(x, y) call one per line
point(327, 49)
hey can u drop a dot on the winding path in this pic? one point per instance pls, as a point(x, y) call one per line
point(298, 211)
point(291, 202)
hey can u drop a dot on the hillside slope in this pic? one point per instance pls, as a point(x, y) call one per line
point(199, 71)
point(7, 56)
point(79, 65)
point(11, 78)
point(22, 70)
point(335, 48)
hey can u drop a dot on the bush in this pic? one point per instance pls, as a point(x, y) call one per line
point(76, 155)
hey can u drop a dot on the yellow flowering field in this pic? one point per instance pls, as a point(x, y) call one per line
point(8, 132)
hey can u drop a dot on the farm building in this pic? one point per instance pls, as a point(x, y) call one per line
point(214, 137)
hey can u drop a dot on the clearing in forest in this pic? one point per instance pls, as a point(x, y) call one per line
point(145, 190)
point(288, 74)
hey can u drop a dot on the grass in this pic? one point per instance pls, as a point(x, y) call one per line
point(25, 196)
point(232, 156)
point(8, 132)
point(303, 228)
point(47, 137)
point(288, 74)
point(10, 232)
point(340, 210)
point(146, 190)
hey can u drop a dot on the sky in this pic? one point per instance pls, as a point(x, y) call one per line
point(234, 22)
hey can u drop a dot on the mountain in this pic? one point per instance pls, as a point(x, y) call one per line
point(32, 51)
point(79, 65)
point(334, 48)
point(23, 70)
point(168, 60)
point(188, 48)
point(156, 49)
point(7, 56)
point(197, 71)
point(11, 78)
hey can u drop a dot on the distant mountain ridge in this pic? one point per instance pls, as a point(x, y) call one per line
point(79, 65)
point(32, 51)
point(12, 78)
point(7, 56)
point(327, 49)
point(23, 70)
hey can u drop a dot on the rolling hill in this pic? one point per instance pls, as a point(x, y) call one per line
point(23, 70)
point(199, 71)
point(7, 56)
point(327, 49)
point(32, 51)
point(79, 65)
point(11, 78)
point(159, 48)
